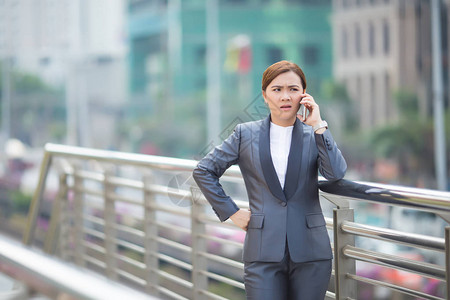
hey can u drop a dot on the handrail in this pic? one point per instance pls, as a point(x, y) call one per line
point(425, 242)
point(53, 278)
point(108, 186)
point(423, 199)
point(153, 161)
point(432, 201)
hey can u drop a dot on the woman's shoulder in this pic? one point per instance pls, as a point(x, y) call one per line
point(251, 125)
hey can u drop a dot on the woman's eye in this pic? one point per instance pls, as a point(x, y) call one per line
point(294, 89)
point(276, 90)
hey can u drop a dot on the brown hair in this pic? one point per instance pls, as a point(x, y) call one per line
point(282, 67)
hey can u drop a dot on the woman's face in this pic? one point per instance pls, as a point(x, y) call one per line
point(283, 95)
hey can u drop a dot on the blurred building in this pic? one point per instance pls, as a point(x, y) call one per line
point(168, 52)
point(34, 34)
point(77, 45)
point(383, 46)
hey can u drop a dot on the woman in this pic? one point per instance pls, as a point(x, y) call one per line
point(287, 253)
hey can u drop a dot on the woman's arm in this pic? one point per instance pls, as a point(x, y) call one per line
point(211, 168)
point(331, 163)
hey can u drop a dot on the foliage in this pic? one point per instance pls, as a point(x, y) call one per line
point(27, 83)
point(410, 141)
point(21, 202)
point(37, 109)
point(167, 127)
point(334, 91)
point(335, 96)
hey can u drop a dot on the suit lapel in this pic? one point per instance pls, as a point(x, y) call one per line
point(265, 157)
point(294, 160)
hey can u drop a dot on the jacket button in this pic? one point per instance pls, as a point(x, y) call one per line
point(283, 204)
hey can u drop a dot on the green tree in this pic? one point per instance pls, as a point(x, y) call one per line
point(37, 111)
point(410, 141)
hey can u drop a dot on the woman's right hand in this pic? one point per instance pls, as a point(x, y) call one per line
point(241, 218)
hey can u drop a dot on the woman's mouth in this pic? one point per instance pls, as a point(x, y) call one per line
point(286, 107)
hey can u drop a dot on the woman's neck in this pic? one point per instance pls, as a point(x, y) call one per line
point(283, 123)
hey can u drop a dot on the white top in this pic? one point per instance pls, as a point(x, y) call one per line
point(280, 144)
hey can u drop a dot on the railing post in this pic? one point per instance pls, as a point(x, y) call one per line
point(199, 262)
point(447, 260)
point(55, 219)
point(36, 202)
point(345, 288)
point(78, 223)
point(109, 228)
point(65, 220)
point(151, 238)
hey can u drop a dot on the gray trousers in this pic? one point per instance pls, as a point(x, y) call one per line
point(287, 280)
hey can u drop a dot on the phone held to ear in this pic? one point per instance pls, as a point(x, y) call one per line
point(303, 111)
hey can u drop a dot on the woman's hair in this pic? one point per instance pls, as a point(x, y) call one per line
point(282, 67)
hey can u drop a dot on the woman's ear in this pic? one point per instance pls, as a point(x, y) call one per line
point(264, 96)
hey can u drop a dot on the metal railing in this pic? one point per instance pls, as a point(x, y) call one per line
point(56, 279)
point(140, 219)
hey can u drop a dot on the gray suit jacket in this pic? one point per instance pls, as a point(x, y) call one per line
point(277, 214)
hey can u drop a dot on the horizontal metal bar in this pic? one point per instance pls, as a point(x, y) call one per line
point(174, 261)
point(205, 218)
point(401, 237)
point(173, 244)
point(224, 279)
point(212, 220)
point(93, 232)
point(89, 175)
point(130, 261)
point(414, 198)
point(169, 209)
point(126, 182)
point(396, 262)
point(124, 199)
point(223, 260)
point(329, 222)
point(175, 279)
point(157, 189)
point(171, 226)
point(330, 295)
point(130, 230)
point(212, 295)
point(89, 191)
point(94, 261)
point(172, 192)
point(150, 161)
point(130, 246)
point(93, 247)
point(94, 219)
point(394, 287)
point(131, 277)
point(171, 294)
point(43, 274)
point(221, 240)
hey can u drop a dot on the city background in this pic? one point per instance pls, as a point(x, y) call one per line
point(174, 77)
point(137, 75)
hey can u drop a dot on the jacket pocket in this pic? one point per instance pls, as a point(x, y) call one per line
point(315, 220)
point(256, 221)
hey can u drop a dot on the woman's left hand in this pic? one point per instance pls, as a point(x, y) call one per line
point(314, 112)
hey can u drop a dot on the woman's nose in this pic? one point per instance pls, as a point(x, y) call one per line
point(285, 96)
